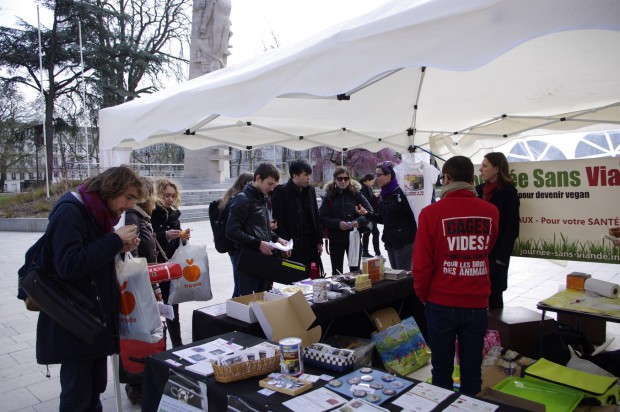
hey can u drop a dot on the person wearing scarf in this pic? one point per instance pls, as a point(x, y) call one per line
point(394, 212)
point(498, 189)
point(80, 247)
point(340, 213)
point(451, 270)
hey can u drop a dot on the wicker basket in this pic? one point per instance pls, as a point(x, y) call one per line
point(245, 370)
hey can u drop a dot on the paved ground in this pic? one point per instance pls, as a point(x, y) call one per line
point(24, 387)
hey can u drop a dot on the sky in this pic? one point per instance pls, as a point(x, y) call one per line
point(253, 21)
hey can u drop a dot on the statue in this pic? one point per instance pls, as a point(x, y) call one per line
point(211, 35)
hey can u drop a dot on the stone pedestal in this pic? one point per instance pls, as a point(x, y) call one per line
point(211, 164)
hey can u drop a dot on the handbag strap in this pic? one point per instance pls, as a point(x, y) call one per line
point(161, 250)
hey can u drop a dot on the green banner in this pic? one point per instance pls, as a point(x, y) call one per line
point(567, 207)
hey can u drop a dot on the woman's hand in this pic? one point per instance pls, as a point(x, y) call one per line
point(360, 210)
point(344, 225)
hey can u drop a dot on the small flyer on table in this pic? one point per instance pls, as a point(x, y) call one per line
point(319, 400)
point(465, 403)
point(422, 398)
point(207, 351)
point(183, 394)
point(359, 405)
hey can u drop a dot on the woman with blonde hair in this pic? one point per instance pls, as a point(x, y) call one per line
point(167, 228)
point(499, 189)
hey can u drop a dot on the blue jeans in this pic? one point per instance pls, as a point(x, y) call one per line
point(234, 258)
point(444, 325)
point(401, 257)
point(245, 284)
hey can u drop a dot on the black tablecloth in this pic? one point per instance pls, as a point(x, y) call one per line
point(343, 316)
point(156, 373)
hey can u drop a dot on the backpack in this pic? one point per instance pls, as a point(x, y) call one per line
point(218, 219)
point(31, 258)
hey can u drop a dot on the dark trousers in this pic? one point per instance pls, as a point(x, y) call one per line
point(499, 283)
point(375, 240)
point(444, 325)
point(337, 251)
point(81, 383)
point(174, 325)
point(307, 253)
point(401, 257)
point(246, 284)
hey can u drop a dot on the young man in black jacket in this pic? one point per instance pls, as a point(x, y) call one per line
point(296, 211)
point(248, 223)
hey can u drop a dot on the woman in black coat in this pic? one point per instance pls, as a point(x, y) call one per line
point(339, 214)
point(167, 228)
point(80, 247)
point(499, 190)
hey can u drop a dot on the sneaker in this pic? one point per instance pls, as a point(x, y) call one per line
point(366, 255)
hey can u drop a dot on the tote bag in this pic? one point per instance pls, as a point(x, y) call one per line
point(354, 247)
point(195, 283)
point(402, 347)
point(139, 315)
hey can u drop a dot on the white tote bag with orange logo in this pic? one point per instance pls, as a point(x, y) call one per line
point(139, 315)
point(195, 284)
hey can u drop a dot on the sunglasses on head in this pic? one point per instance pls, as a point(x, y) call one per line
point(343, 178)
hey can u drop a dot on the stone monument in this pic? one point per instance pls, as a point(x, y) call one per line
point(208, 52)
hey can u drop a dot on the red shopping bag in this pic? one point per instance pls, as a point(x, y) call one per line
point(164, 272)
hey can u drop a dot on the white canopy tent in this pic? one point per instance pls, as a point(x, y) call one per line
point(450, 76)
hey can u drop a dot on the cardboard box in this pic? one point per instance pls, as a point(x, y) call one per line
point(287, 317)
point(239, 307)
point(492, 377)
point(577, 280)
point(385, 318)
point(373, 267)
point(519, 328)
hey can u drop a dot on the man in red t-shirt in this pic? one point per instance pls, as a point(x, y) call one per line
point(451, 272)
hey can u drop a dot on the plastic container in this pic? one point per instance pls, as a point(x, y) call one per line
point(555, 398)
point(362, 347)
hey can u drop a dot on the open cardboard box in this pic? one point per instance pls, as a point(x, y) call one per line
point(384, 318)
point(492, 377)
point(286, 318)
point(239, 307)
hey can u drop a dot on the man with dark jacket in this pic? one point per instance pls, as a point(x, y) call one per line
point(297, 214)
point(248, 223)
point(79, 248)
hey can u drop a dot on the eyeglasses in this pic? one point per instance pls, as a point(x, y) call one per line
point(343, 178)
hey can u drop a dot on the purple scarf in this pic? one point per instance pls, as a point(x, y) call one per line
point(98, 210)
point(389, 188)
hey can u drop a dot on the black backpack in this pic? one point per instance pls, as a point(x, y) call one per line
point(218, 221)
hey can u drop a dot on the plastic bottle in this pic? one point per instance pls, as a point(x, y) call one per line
point(314, 271)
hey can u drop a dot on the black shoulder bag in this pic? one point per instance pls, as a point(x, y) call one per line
point(64, 303)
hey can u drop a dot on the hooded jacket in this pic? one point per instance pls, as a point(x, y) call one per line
point(450, 256)
point(76, 251)
point(339, 205)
